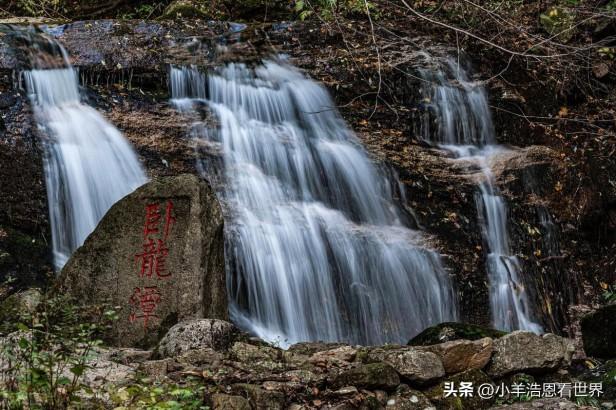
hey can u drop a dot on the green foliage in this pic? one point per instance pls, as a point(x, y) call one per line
point(158, 396)
point(609, 293)
point(328, 9)
point(47, 356)
point(41, 8)
point(143, 11)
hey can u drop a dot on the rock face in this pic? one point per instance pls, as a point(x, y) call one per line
point(158, 254)
point(527, 352)
point(599, 332)
point(197, 334)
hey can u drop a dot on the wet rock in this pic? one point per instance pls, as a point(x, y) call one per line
point(461, 355)
point(197, 334)
point(229, 402)
point(369, 376)
point(411, 363)
point(442, 400)
point(158, 254)
point(406, 398)
point(522, 351)
point(446, 332)
point(599, 332)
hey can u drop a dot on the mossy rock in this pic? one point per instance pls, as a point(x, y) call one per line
point(448, 331)
point(605, 374)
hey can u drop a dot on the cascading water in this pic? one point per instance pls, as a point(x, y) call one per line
point(464, 127)
point(88, 163)
point(317, 247)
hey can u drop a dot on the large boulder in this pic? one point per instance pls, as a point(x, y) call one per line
point(413, 364)
point(197, 334)
point(158, 254)
point(523, 351)
point(448, 331)
point(599, 332)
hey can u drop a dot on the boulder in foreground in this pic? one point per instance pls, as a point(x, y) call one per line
point(158, 254)
point(523, 351)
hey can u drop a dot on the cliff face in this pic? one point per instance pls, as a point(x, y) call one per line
point(561, 195)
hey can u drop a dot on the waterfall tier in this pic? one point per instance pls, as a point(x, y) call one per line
point(318, 248)
point(89, 165)
point(464, 127)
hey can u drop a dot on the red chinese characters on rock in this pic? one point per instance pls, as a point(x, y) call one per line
point(152, 261)
point(144, 302)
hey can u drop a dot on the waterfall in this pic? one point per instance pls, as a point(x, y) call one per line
point(464, 127)
point(88, 163)
point(317, 247)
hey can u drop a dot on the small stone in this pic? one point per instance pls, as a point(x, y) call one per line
point(346, 391)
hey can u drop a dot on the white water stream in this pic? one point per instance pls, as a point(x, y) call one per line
point(318, 248)
point(465, 128)
point(89, 165)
